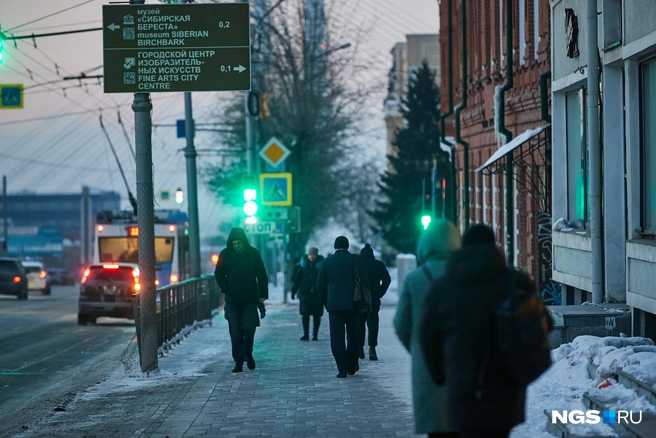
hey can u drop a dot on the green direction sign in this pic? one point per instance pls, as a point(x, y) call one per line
point(173, 48)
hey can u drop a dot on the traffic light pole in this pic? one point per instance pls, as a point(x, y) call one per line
point(192, 188)
point(142, 108)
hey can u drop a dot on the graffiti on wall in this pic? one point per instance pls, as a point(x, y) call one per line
point(550, 291)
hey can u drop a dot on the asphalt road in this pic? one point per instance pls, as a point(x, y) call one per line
point(46, 358)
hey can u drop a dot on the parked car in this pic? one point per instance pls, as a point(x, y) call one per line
point(37, 277)
point(13, 280)
point(106, 290)
point(61, 277)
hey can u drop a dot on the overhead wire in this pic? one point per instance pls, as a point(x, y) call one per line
point(49, 15)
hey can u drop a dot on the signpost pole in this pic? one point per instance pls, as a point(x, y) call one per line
point(142, 107)
point(5, 219)
point(192, 187)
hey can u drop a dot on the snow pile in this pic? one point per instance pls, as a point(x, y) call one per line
point(588, 364)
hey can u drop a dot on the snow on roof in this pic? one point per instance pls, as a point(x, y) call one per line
point(511, 145)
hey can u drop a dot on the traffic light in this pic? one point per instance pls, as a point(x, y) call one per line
point(179, 196)
point(249, 183)
point(425, 220)
point(1, 48)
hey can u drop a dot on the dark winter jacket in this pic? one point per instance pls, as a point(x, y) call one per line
point(379, 277)
point(336, 281)
point(305, 282)
point(457, 327)
point(241, 276)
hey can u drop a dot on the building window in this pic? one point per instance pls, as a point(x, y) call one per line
point(577, 158)
point(648, 152)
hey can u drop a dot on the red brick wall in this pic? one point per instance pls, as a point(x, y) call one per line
point(485, 45)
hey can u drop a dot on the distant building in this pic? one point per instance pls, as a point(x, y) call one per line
point(59, 211)
point(407, 57)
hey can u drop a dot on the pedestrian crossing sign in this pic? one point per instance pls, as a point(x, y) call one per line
point(276, 189)
point(11, 96)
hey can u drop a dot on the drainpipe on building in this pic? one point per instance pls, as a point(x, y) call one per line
point(510, 228)
point(459, 108)
point(595, 152)
point(544, 96)
point(452, 179)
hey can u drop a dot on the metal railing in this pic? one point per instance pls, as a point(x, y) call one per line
point(180, 306)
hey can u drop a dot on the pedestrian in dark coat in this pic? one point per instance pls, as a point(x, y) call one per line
point(457, 323)
point(336, 286)
point(379, 279)
point(305, 283)
point(242, 277)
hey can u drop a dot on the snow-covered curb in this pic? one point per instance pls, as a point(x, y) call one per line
point(583, 366)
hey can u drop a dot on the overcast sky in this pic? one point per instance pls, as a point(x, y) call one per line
point(62, 153)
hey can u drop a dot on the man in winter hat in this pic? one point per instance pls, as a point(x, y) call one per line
point(336, 286)
point(242, 277)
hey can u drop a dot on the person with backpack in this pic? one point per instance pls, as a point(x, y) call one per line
point(379, 279)
point(473, 335)
point(435, 245)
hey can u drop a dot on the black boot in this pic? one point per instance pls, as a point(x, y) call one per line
point(361, 353)
point(306, 327)
point(317, 322)
point(372, 353)
point(239, 367)
point(250, 362)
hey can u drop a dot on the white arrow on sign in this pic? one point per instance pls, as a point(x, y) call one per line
point(113, 27)
point(240, 69)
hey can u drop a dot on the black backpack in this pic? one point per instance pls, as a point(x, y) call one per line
point(521, 334)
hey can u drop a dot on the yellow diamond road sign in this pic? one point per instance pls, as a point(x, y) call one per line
point(274, 152)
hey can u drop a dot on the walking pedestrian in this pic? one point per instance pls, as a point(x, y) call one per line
point(435, 245)
point(242, 277)
point(379, 279)
point(457, 337)
point(336, 285)
point(305, 282)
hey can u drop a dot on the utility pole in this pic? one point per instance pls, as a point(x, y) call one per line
point(142, 107)
point(192, 187)
point(5, 220)
point(433, 182)
point(85, 227)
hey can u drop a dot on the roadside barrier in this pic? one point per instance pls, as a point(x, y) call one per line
point(180, 308)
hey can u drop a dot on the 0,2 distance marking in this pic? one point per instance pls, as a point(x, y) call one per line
point(224, 25)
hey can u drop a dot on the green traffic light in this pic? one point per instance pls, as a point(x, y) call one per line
point(425, 220)
point(250, 194)
point(250, 208)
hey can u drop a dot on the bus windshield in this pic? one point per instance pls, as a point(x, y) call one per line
point(126, 249)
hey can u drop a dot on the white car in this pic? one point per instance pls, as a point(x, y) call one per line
point(37, 277)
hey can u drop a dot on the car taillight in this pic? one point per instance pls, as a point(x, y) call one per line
point(42, 274)
point(17, 279)
point(110, 266)
point(85, 276)
point(137, 287)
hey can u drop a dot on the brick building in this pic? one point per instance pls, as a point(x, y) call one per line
point(526, 109)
